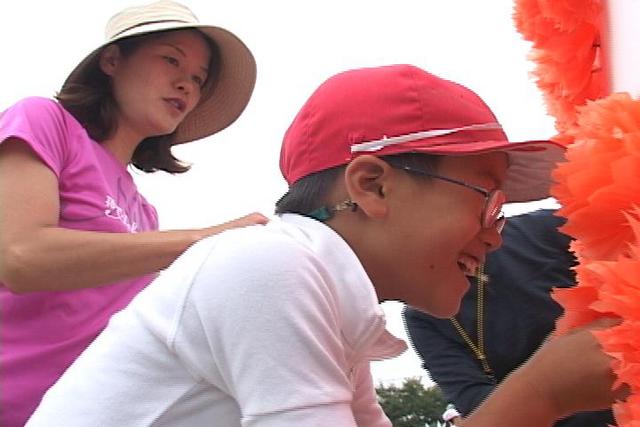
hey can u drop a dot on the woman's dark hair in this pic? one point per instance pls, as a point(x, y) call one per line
point(311, 192)
point(91, 102)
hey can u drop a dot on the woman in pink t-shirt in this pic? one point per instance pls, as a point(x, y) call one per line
point(77, 240)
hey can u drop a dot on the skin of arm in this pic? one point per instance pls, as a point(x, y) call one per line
point(515, 402)
point(568, 374)
point(37, 255)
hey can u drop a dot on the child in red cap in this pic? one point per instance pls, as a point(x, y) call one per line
point(397, 180)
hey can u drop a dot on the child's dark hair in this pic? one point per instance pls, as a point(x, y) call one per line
point(91, 102)
point(311, 192)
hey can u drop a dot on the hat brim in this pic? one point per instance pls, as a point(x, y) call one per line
point(230, 95)
point(530, 163)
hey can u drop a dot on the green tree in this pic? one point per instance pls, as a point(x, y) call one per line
point(411, 404)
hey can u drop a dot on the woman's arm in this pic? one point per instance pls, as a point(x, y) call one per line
point(37, 255)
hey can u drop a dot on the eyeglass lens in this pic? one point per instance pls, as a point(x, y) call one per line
point(493, 209)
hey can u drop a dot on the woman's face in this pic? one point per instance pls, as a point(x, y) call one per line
point(157, 84)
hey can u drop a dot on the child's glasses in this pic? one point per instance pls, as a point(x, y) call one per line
point(491, 215)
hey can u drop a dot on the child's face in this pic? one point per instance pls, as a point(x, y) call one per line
point(436, 236)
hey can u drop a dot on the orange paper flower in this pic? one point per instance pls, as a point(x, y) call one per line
point(601, 179)
point(578, 301)
point(566, 42)
point(611, 289)
point(599, 185)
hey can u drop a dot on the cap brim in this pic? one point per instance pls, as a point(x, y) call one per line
point(529, 173)
point(530, 163)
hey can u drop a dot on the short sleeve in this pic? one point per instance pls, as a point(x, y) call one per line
point(366, 409)
point(265, 315)
point(42, 124)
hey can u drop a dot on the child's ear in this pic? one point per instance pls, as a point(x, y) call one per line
point(109, 58)
point(366, 178)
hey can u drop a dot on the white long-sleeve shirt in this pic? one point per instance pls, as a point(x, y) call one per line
point(266, 326)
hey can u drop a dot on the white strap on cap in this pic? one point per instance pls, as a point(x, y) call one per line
point(401, 139)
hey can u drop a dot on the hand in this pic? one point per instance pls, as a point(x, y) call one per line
point(572, 373)
point(244, 221)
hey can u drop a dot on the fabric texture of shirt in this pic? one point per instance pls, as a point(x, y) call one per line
point(264, 326)
point(43, 332)
point(518, 315)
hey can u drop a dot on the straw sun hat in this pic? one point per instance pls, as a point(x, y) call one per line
point(230, 95)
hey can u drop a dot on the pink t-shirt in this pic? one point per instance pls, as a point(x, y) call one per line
point(42, 333)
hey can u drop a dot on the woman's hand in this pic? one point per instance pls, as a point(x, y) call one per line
point(254, 218)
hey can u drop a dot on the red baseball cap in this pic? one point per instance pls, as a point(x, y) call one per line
point(404, 109)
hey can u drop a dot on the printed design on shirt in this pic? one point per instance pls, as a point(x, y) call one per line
point(112, 210)
point(123, 207)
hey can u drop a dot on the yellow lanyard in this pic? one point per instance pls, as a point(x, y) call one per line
point(477, 349)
